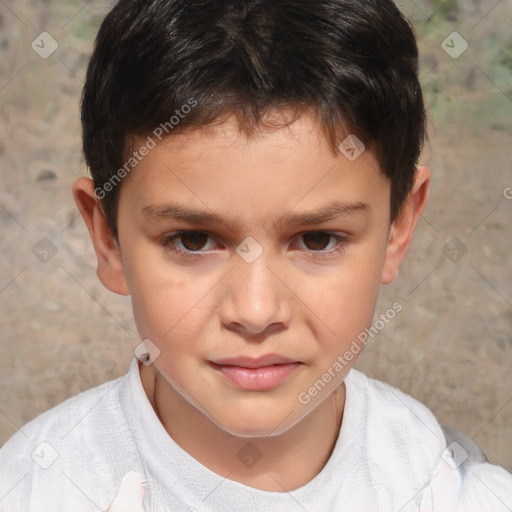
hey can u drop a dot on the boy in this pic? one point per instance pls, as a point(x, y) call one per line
point(255, 180)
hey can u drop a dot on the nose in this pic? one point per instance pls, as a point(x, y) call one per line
point(256, 301)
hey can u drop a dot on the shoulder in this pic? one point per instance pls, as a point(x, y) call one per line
point(404, 446)
point(63, 418)
point(402, 438)
point(35, 461)
point(396, 412)
point(484, 486)
point(405, 442)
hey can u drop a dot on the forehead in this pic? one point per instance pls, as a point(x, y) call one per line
point(262, 176)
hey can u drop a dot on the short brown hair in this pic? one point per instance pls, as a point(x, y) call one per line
point(354, 62)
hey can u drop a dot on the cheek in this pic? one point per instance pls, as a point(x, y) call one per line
point(169, 306)
point(348, 300)
point(349, 308)
point(159, 295)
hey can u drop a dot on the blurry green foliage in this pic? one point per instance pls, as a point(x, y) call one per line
point(445, 9)
point(85, 28)
point(505, 54)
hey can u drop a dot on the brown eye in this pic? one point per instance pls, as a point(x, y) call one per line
point(189, 244)
point(317, 241)
point(193, 240)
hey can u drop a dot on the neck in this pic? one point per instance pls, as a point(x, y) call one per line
point(277, 469)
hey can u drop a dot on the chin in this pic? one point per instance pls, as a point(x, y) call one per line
point(257, 426)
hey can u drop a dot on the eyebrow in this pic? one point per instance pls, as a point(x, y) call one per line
point(192, 216)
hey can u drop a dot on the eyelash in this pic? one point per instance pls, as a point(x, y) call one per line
point(168, 242)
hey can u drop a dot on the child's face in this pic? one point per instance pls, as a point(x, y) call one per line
point(305, 298)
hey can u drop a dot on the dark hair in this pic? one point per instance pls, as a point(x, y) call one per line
point(354, 63)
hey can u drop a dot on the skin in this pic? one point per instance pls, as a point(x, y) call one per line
point(301, 298)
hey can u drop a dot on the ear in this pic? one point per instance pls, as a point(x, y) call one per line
point(110, 264)
point(404, 225)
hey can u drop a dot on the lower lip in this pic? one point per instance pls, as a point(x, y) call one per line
point(257, 379)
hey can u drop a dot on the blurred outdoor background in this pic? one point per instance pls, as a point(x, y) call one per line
point(61, 332)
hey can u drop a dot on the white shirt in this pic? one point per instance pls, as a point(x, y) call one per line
point(389, 450)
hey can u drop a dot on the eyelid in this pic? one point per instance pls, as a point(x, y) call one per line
point(342, 240)
point(167, 240)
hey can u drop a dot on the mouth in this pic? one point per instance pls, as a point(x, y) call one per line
point(260, 374)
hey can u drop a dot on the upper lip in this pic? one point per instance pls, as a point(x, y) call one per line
point(252, 362)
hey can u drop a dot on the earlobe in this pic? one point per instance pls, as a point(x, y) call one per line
point(404, 225)
point(110, 268)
